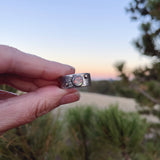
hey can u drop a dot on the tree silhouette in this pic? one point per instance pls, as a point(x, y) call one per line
point(146, 80)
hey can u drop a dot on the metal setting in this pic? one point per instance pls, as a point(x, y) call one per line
point(75, 80)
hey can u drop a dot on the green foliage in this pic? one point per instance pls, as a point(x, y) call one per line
point(152, 148)
point(144, 85)
point(145, 81)
point(152, 88)
point(83, 133)
point(148, 11)
point(37, 141)
point(122, 130)
point(115, 88)
point(8, 88)
point(97, 134)
point(79, 123)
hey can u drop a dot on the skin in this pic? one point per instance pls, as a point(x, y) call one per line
point(39, 79)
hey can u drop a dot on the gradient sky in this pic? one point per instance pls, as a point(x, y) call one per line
point(91, 35)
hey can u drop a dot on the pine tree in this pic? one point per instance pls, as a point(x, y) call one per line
point(146, 80)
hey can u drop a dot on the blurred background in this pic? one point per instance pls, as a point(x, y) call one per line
point(89, 35)
point(118, 42)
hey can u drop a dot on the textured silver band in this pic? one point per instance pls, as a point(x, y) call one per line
point(75, 80)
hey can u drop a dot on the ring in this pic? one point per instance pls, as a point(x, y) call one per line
point(75, 80)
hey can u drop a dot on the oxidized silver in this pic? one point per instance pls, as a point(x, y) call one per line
point(75, 80)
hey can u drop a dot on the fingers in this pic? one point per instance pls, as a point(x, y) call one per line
point(23, 83)
point(17, 62)
point(6, 95)
point(69, 98)
point(23, 109)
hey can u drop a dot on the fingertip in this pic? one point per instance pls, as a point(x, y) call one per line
point(70, 98)
point(70, 69)
point(23, 109)
point(57, 70)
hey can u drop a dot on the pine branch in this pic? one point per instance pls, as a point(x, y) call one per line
point(148, 96)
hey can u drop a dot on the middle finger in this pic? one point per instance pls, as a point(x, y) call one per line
point(23, 83)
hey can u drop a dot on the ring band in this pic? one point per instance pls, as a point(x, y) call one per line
point(75, 80)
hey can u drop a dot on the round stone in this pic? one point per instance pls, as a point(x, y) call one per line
point(77, 81)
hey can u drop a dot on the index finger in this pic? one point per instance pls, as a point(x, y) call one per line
point(20, 63)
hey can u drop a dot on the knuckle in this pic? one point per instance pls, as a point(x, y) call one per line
point(41, 108)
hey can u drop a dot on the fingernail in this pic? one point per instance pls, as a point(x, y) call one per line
point(72, 69)
point(70, 98)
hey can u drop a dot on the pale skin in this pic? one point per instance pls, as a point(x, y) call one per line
point(39, 79)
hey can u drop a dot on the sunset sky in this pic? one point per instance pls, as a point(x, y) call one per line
point(91, 35)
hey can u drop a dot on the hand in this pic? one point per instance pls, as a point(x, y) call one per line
point(39, 79)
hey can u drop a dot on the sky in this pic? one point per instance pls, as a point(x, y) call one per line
point(91, 35)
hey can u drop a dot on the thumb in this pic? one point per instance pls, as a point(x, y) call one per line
point(22, 109)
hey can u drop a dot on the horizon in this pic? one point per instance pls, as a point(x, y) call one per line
point(89, 35)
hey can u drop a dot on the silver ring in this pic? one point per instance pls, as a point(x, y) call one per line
point(75, 80)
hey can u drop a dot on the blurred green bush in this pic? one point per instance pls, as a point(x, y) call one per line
point(97, 134)
point(38, 140)
point(82, 133)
